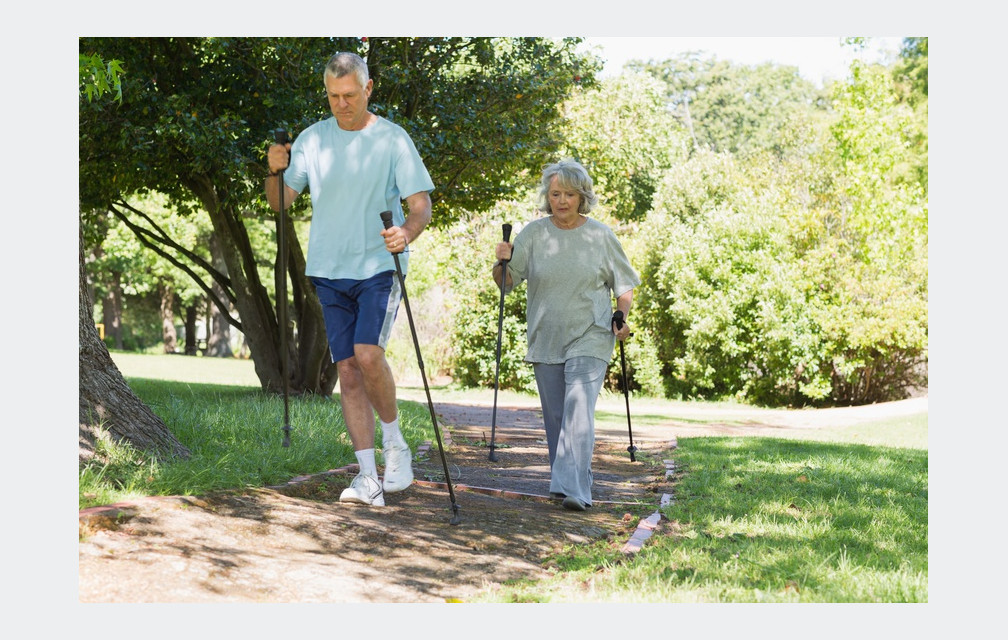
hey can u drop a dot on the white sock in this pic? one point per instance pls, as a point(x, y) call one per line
point(365, 458)
point(390, 433)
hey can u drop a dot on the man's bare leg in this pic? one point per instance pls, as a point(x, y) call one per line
point(366, 386)
point(357, 411)
point(359, 417)
point(379, 384)
point(380, 388)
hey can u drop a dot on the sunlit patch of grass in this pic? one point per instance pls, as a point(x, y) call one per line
point(767, 520)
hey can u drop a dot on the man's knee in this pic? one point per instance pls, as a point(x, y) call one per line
point(369, 357)
point(349, 372)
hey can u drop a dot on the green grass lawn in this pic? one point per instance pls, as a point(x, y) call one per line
point(234, 431)
point(768, 520)
point(837, 516)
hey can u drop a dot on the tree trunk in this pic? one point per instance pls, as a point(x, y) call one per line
point(218, 329)
point(219, 336)
point(311, 370)
point(107, 404)
point(112, 311)
point(168, 319)
point(191, 343)
point(243, 349)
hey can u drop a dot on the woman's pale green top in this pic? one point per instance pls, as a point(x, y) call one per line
point(573, 276)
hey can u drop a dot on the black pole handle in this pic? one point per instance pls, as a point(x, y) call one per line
point(280, 135)
point(617, 319)
point(507, 232)
point(386, 217)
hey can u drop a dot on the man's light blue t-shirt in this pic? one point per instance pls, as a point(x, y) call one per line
point(353, 176)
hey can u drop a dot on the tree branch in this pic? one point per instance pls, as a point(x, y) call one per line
point(164, 239)
point(145, 235)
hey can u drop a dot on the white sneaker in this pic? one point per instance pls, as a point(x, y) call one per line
point(364, 490)
point(398, 467)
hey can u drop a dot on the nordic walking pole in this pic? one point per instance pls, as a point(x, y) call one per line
point(500, 328)
point(386, 217)
point(617, 318)
point(280, 135)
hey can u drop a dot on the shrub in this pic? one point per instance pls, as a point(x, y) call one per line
point(476, 308)
point(751, 293)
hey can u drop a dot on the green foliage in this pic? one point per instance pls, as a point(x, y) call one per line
point(119, 262)
point(729, 107)
point(141, 324)
point(480, 110)
point(431, 301)
point(912, 68)
point(797, 277)
point(98, 77)
point(122, 252)
point(881, 240)
point(476, 307)
point(707, 182)
point(623, 134)
point(475, 360)
point(720, 296)
point(911, 76)
point(194, 109)
point(643, 367)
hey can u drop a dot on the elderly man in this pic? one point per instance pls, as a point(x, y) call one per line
point(355, 166)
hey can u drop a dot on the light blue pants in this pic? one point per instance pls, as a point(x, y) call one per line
point(568, 393)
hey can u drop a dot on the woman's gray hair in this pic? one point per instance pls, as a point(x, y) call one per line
point(571, 175)
point(344, 63)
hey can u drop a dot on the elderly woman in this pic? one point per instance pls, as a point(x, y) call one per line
point(574, 266)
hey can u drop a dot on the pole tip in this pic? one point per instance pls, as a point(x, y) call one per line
point(455, 515)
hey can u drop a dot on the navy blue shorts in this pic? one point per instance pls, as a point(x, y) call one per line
point(358, 311)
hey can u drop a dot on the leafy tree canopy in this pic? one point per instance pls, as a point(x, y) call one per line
point(625, 136)
point(481, 110)
point(730, 107)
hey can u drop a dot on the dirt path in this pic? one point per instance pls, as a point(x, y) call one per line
point(297, 543)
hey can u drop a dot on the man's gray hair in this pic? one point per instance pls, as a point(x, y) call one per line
point(344, 63)
point(571, 176)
